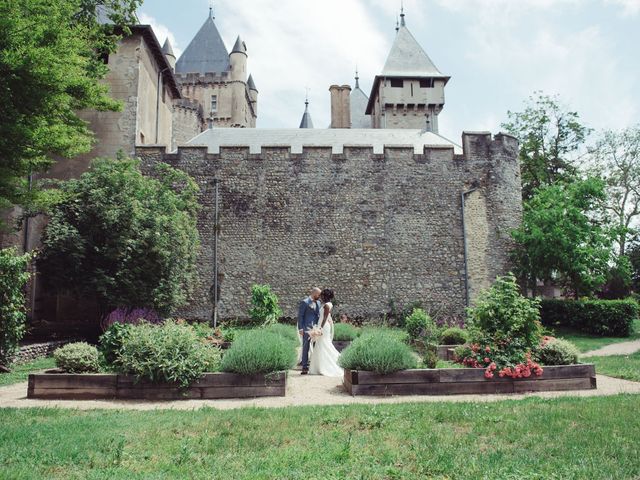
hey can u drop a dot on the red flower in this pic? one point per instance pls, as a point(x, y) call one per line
point(487, 359)
point(487, 349)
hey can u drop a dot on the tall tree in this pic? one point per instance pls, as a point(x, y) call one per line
point(51, 64)
point(561, 240)
point(548, 134)
point(616, 158)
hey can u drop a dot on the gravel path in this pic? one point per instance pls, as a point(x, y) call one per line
point(301, 390)
point(623, 348)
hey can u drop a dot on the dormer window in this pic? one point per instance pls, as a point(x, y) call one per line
point(397, 83)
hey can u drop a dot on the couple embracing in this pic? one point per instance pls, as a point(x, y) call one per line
point(315, 326)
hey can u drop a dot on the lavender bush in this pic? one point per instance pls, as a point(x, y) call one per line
point(132, 316)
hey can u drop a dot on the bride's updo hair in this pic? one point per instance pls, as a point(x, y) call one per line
point(327, 295)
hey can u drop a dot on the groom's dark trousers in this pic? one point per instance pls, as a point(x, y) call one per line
point(308, 316)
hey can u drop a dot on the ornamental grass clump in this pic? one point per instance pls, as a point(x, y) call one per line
point(168, 353)
point(504, 329)
point(378, 351)
point(260, 351)
point(345, 332)
point(78, 357)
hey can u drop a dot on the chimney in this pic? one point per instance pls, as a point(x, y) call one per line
point(340, 106)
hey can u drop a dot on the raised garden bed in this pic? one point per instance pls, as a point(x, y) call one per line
point(341, 344)
point(68, 386)
point(452, 381)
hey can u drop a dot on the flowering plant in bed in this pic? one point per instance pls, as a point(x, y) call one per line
point(504, 331)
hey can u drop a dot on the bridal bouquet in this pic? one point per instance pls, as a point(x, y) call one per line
point(315, 333)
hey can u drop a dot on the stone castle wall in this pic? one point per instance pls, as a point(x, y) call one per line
point(374, 227)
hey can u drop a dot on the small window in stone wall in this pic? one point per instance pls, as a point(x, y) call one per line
point(214, 103)
point(426, 83)
point(397, 82)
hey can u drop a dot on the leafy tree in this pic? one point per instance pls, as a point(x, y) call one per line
point(123, 238)
point(548, 134)
point(13, 277)
point(50, 67)
point(633, 254)
point(616, 158)
point(561, 240)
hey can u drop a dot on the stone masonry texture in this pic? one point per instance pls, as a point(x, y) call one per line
point(376, 228)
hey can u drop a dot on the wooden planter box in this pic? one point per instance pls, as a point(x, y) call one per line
point(69, 386)
point(341, 344)
point(451, 381)
point(445, 352)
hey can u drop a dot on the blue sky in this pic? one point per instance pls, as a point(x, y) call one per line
point(498, 52)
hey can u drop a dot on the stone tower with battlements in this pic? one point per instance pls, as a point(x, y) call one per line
point(409, 93)
point(218, 80)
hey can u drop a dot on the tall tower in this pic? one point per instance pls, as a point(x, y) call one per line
point(409, 93)
point(208, 74)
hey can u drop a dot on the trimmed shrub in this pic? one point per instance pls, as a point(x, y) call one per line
point(110, 342)
point(594, 317)
point(379, 352)
point(288, 332)
point(171, 352)
point(557, 351)
point(345, 332)
point(430, 359)
point(419, 324)
point(453, 336)
point(13, 277)
point(79, 357)
point(260, 351)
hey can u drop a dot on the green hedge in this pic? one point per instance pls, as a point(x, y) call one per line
point(595, 317)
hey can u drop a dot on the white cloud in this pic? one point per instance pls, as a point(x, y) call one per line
point(162, 32)
point(293, 45)
point(629, 7)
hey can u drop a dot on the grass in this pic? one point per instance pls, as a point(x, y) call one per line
point(586, 343)
point(530, 439)
point(619, 366)
point(20, 373)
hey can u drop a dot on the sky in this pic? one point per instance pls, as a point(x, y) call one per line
point(497, 52)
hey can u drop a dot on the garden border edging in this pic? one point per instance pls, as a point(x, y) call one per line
point(454, 381)
point(79, 386)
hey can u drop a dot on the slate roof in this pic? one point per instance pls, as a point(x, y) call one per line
point(251, 84)
point(336, 138)
point(358, 100)
point(239, 46)
point(306, 121)
point(408, 59)
point(206, 53)
point(167, 49)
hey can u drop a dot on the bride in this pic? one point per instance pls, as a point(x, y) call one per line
point(324, 357)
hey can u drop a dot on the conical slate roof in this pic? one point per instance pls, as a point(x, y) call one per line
point(167, 49)
point(358, 103)
point(306, 121)
point(206, 53)
point(239, 46)
point(408, 59)
point(251, 84)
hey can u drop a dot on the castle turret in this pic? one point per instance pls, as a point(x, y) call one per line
point(358, 104)
point(253, 94)
point(238, 61)
point(167, 50)
point(409, 93)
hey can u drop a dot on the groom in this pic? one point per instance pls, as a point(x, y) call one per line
point(308, 316)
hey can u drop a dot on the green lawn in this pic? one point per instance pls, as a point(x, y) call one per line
point(586, 343)
point(619, 366)
point(566, 438)
point(21, 372)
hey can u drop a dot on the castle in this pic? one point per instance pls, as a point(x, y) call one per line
point(379, 206)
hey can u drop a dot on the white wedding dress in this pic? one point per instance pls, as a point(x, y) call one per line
point(324, 357)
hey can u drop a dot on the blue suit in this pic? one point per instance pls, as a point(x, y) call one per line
point(307, 318)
